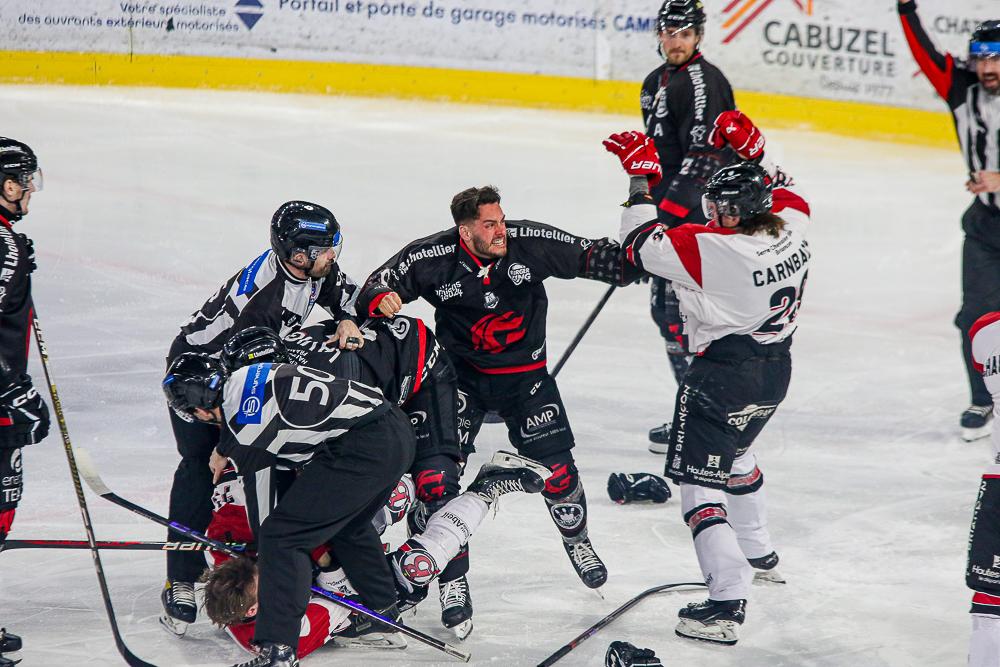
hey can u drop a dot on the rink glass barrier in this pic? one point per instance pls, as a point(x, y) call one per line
point(828, 65)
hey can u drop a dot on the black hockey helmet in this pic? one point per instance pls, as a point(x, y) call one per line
point(985, 40)
point(677, 15)
point(299, 226)
point(19, 163)
point(743, 189)
point(194, 381)
point(253, 345)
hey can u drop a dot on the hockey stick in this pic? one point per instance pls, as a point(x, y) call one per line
point(89, 472)
point(583, 330)
point(607, 620)
point(112, 545)
point(130, 658)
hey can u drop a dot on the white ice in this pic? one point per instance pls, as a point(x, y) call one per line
point(153, 198)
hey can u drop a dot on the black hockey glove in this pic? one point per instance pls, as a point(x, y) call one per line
point(627, 488)
point(31, 252)
point(604, 261)
point(24, 417)
point(623, 654)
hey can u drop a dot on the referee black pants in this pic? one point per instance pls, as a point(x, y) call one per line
point(980, 284)
point(336, 495)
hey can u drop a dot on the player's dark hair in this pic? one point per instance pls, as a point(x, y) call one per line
point(766, 222)
point(465, 205)
point(230, 591)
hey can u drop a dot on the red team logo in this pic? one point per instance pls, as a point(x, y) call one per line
point(495, 333)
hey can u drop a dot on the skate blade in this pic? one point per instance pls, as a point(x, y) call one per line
point(973, 434)
point(725, 633)
point(599, 593)
point(173, 626)
point(657, 448)
point(766, 577)
point(14, 656)
point(463, 630)
point(374, 640)
point(512, 460)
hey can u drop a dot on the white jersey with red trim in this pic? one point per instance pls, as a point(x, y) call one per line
point(985, 337)
point(729, 282)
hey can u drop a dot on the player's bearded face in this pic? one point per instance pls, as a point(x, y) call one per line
point(488, 234)
point(679, 46)
point(323, 264)
point(988, 71)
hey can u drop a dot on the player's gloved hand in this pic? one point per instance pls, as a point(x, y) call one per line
point(637, 154)
point(24, 417)
point(6, 521)
point(624, 488)
point(735, 129)
point(31, 252)
point(604, 261)
point(623, 654)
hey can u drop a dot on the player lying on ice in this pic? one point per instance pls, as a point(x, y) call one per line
point(740, 281)
point(231, 587)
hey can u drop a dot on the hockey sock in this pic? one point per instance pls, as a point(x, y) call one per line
point(746, 507)
point(722, 562)
point(449, 529)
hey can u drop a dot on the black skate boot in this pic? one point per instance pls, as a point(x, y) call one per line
point(456, 606)
point(765, 569)
point(179, 606)
point(588, 566)
point(712, 621)
point(977, 422)
point(8, 661)
point(659, 438)
point(273, 655)
point(508, 473)
point(363, 632)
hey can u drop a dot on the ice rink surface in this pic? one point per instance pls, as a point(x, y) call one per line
point(154, 198)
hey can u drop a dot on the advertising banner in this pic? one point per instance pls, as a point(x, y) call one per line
point(850, 50)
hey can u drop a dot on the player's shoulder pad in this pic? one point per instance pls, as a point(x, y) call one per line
point(439, 244)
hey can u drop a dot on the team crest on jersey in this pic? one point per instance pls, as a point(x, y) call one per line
point(698, 135)
point(495, 333)
point(519, 273)
point(490, 300)
point(400, 328)
point(252, 400)
point(418, 417)
point(15, 461)
point(567, 515)
point(714, 461)
point(742, 418)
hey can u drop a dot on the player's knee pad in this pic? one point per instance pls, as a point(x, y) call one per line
point(565, 479)
point(746, 477)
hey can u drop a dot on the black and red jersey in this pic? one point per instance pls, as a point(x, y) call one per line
point(679, 105)
point(490, 315)
point(16, 309)
point(976, 112)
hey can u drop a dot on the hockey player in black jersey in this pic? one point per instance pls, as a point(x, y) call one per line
point(24, 417)
point(484, 277)
point(403, 359)
point(973, 96)
point(279, 416)
point(278, 289)
point(679, 101)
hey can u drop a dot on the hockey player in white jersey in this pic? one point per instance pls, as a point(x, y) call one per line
point(982, 574)
point(740, 282)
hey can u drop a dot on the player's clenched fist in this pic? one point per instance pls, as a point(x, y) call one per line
point(390, 304)
point(735, 129)
point(637, 154)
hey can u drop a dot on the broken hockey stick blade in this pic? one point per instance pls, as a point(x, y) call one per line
point(610, 618)
point(111, 545)
point(132, 659)
point(89, 473)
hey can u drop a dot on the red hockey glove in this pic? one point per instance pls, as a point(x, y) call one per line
point(735, 129)
point(638, 155)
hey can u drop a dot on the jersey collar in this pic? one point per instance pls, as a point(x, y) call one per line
point(484, 269)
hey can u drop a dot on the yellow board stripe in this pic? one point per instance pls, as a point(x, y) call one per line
point(869, 121)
